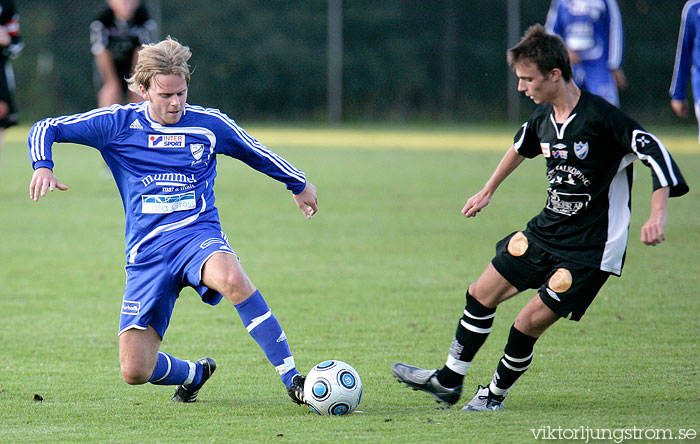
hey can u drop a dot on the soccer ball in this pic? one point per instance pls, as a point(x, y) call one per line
point(332, 388)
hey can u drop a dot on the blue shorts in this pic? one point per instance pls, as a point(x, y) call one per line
point(163, 269)
point(695, 83)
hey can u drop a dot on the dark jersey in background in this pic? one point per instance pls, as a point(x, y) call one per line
point(9, 18)
point(121, 38)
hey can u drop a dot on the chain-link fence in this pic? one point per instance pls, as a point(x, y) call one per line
point(267, 59)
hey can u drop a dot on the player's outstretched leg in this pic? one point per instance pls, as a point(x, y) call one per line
point(296, 390)
point(426, 380)
point(472, 330)
point(188, 392)
point(267, 332)
point(446, 384)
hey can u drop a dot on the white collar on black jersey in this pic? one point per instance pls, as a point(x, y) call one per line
point(560, 132)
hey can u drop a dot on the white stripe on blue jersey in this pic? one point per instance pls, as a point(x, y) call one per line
point(252, 143)
point(133, 251)
point(38, 132)
point(577, 22)
point(616, 36)
point(140, 152)
point(687, 52)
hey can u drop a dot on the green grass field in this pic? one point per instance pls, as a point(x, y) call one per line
point(377, 276)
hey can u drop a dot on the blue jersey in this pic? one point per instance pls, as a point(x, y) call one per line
point(687, 51)
point(591, 28)
point(165, 174)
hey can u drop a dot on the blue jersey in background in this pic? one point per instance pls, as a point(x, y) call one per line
point(593, 30)
point(687, 51)
point(687, 61)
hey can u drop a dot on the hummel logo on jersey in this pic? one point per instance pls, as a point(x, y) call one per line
point(643, 141)
point(166, 141)
point(214, 240)
point(135, 125)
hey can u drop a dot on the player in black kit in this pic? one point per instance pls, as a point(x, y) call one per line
point(10, 47)
point(116, 35)
point(579, 239)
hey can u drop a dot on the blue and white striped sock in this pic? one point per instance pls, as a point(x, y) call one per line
point(173, 371)
point(267, 332)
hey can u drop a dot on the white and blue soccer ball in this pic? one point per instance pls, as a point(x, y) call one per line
point(333, 388)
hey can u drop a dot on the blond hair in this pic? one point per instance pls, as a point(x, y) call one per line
point(165, 57)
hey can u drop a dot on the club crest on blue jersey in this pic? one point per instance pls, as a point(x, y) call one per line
point(581, 149)
point(166, 141)
point(197, 149)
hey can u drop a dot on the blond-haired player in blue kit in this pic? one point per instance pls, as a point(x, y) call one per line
point(162, 154)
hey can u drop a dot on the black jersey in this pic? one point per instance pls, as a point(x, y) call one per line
point(121, 38)
point(9, 19)
point(589, 168)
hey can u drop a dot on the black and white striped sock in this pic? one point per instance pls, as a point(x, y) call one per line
point(472, 330)
point(517, 357)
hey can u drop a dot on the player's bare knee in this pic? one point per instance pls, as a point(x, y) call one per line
point(476, 293)
point(237, 287)
point(525, 326)
point(535, 318)
point(135, 376)
point(485, 298)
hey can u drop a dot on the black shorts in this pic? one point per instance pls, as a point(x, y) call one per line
point(123, 72)
point(565, 287)
point(6, 95)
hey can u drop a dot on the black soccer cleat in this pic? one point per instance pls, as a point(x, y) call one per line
point(188, 393)
point(426, 380)
point(296, 390)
